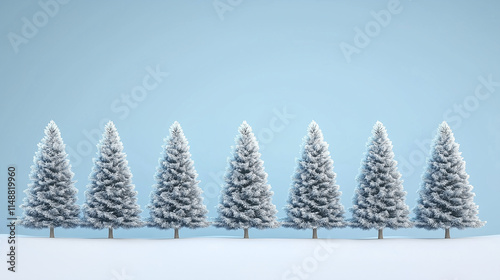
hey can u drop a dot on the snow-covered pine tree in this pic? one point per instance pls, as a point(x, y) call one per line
point(379, 200)
point(446, 199)
point(176, 200)
point(314, 198)
point(51, 196)
point(110, 197)
point(246, 198)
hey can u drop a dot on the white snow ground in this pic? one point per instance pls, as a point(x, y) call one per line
point(475, 258)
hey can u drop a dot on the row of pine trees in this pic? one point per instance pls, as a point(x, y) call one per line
point(445, 201)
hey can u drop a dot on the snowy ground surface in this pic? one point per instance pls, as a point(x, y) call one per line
point(228, 258)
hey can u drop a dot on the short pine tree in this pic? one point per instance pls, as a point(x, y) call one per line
point(176, 200)
point(51, 196)
point(110, 197)
point(314, 198)
point(246, 198)
point(446, 197)
point(379, 200)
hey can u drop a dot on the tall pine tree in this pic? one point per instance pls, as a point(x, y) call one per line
point(176, 200)
point(51, 196)
point(314, 198)
point(379, 200)
point(246, 198)
point(446, 197)
point(110, 197)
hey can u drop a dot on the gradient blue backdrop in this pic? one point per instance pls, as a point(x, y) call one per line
point(253, 62)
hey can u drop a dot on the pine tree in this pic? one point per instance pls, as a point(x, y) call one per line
point(51, 196)
point(176, 200)
point(314, 198)
point(245, 200)
point(110, 197)
point(379, 200)
point(446, 197)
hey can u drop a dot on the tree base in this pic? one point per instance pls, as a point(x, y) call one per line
point(447, 233)
point(315, 233)
point(110, 232)
point(380, 234)
point(52, 232)
point(245, 235)
point(176, 233)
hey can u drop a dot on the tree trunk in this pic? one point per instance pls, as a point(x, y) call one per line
point(380, 234)
point(51, 232)
point(315, 233)
point(176, 233)
point(447, 233)
point(110, 232)
point(246, 233)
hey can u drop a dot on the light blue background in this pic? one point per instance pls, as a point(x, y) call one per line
point(263, 57)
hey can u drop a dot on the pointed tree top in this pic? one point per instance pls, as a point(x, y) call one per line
point(176, 124)
point(110, 132)
point(52, 128)
point(52, 123)
point(444, 128)
point(176, 129)
point(110, 129)
point(110, 125)
point(245, 128)
point(314, 131)
point(313, 126)
point(444, 132)
point(379, 129)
